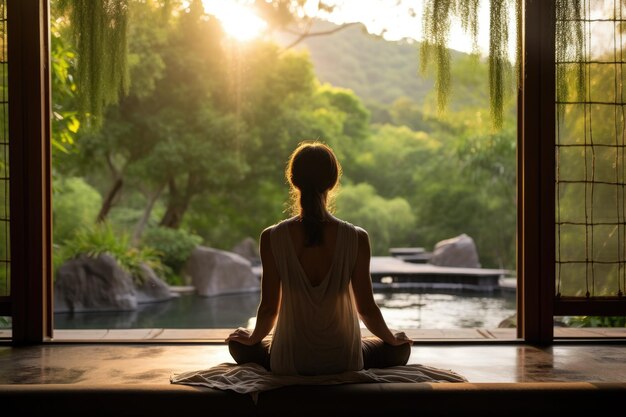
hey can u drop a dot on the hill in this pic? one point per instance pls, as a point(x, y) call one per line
point(380, 71)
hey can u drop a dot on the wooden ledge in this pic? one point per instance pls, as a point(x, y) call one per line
point(372, 399)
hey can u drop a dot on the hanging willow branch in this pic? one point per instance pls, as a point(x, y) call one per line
point(499, 66)
point(570, 47)
point(437, 21)
point(99, 29)
point(437, 16)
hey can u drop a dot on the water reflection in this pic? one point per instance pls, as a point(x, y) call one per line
point(402, 310)
point(185, 312)
point(445, 310)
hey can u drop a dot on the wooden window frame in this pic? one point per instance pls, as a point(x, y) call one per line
point(30, 302)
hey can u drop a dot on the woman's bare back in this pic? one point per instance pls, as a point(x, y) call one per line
point(315, 261)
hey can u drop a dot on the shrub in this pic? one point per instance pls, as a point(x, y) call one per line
point(75, 205)
point(173, 247)
point(102, 238)
point(595, 321)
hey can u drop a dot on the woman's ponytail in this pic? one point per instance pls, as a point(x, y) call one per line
point(313, 172)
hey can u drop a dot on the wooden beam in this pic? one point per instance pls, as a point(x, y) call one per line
point(29, 155)
point(536, 246)
point(594, 306)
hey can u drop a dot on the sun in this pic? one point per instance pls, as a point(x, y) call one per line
point(238, 21)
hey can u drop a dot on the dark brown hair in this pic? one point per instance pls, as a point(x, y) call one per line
point(313, 174)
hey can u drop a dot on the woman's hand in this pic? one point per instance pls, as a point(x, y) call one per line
point(242, 336)
point(401, 338)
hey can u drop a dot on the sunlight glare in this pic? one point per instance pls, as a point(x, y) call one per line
point(238, 21)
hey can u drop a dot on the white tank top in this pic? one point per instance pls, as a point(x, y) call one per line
point(317, 331)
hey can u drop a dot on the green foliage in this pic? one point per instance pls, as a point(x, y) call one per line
point(201, 140)
point(65, 120)
point(5, 280)
point(499, 65)
point(595, 321)
point(173, 247)
point(75, 205)
point(436, 22)
point(437, 19)
point(5, 253)
point(570, 45)
point(99, 34)
point(103, 238)
point(394, 159)
point(578, 204)
point(388, 221)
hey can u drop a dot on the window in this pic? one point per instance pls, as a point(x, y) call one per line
point(536, 248)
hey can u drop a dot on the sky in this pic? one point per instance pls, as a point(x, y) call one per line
point(391, 16)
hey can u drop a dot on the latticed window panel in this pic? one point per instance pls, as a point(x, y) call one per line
point(591, 156)
point(5, 255)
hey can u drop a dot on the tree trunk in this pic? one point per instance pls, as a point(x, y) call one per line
point(176, 206)
point(173, 216)
point(109, 200)
point(141, 223)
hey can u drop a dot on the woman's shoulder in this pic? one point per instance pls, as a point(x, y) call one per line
point(359, 230)
point(270, 229)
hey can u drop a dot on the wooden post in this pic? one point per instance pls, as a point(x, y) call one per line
point(29, 156)
point(536, 176)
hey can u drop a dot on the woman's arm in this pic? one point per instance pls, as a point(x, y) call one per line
point(364, 296)
point(267, 311)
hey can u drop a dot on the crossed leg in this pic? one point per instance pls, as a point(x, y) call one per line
point(376, 353)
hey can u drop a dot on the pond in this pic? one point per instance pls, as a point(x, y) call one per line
point(402, 309)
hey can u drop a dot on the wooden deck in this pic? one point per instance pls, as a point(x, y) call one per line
point(391, 272)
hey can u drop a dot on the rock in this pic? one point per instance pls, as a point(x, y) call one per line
point(248, 248)
point(459, 251)
point(93, 284)
point(152, 288)
point(216, 272)
point(509, 322)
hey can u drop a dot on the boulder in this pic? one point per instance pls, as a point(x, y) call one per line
point(249, 249)
point(215, 272)
point(93, 284)
point(152, 288)
point(459, 251)
point(509, 322)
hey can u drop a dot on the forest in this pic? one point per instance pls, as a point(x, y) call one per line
point(195, 152)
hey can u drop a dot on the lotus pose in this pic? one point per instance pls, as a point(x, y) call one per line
point(316, 285)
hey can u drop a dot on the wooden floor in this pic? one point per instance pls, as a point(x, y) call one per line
point(423, 335)
point(154, 363)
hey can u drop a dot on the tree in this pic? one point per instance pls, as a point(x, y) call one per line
point(100, 36)
point(128, 134)
point(389, 222)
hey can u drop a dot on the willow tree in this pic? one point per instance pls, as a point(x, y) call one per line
point(437, 20)
point(100, 28)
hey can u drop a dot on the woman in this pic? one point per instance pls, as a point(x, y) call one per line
point(316, 284)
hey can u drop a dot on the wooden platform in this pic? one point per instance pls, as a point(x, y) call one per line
point(133, 380)
point(412, 254)
point(391, 272)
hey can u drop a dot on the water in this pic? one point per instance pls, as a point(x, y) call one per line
point(401, 309)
